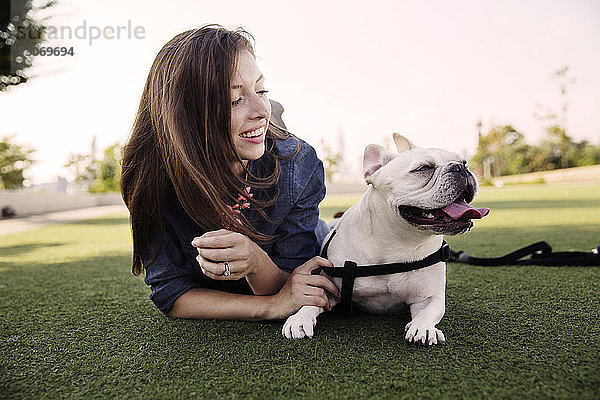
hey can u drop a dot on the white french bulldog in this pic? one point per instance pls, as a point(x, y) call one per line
point(414, 198)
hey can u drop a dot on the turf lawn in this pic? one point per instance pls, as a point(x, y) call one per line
point(75, 323)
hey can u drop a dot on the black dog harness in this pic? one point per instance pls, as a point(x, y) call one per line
point(350, 271)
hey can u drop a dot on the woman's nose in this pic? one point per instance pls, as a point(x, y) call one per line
point(260, 108)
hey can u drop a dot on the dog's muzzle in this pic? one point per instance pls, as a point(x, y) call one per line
point(459, 189)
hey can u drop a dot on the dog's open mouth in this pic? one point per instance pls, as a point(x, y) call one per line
point(458, 213)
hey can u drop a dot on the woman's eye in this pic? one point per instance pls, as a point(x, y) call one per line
point(241, 99)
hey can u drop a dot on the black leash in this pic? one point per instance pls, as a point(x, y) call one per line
point(350, 271)
point(540, 254)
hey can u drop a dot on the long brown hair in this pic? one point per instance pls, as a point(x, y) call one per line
point(181, 142)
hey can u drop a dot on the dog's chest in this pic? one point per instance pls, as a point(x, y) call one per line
point(392, 293)
point(380, 294)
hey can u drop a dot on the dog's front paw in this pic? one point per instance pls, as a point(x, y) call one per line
point(423, 333)
point(299, 325)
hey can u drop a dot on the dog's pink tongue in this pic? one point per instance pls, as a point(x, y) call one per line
point(460, 208)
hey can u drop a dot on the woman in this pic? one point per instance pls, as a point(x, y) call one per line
point(207, 176)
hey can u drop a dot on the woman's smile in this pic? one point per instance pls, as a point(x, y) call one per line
point(254, 135)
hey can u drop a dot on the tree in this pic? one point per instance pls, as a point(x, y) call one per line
point(587, 154)
point(14, 160)
point(559, 147)
point(20, 35)
point(108, 171)
point(557, 143)
point(503, 151)
point(497, 151)
point(83, 168)
point(331, 161)
point(98, 175)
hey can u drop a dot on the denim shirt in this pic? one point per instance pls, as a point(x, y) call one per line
point(294, 221)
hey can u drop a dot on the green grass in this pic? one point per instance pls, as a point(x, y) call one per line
point(76, 324)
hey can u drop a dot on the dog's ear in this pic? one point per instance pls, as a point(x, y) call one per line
point(375, 157)
point(402, 143)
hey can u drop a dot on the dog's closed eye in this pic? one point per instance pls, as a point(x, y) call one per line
point(423, 168)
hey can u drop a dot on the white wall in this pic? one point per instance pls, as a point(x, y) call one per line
point(40, 203)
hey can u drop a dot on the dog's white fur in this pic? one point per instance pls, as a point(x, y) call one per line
point(373, 232)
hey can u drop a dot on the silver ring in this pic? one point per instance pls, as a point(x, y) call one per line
point(227, 270)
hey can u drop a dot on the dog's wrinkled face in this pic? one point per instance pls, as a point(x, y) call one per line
point(429, 188)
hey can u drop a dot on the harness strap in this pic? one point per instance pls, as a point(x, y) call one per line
point(324, 251)
point(443, 254)
point(348, 277)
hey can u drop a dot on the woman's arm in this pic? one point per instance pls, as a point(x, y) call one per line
point(214, 304)
point(266, 278)
point(302, 288)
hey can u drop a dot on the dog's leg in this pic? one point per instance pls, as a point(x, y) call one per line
point(302, 323)
point(425, 316)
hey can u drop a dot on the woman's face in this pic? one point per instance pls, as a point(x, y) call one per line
point(250, 108)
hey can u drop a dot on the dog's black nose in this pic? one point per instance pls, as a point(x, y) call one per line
point(456, 167)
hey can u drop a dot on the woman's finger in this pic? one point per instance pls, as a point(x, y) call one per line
point(313, 291)
point(216, 269)
point(219, 255)
point(218, 232)
point(318, 301)
point(213, 242)
point(322, 282)
point(313, 264)
point(217, 240)
point(212, 276)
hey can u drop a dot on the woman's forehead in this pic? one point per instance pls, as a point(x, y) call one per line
point(246, 71)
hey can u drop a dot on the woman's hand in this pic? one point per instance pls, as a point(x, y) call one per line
point(304, 288)
point(215, 247)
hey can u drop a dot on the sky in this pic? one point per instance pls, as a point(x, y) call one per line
point(342, 69)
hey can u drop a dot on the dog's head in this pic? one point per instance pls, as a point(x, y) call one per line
point(428, 188)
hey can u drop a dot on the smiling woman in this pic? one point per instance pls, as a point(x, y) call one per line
point(202, 141)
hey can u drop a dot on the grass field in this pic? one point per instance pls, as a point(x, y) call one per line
point(76, 324)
